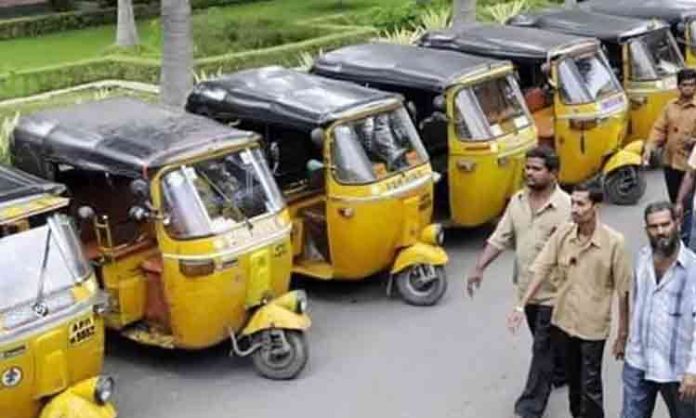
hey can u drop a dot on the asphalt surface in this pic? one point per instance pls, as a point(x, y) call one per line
point(371, 356)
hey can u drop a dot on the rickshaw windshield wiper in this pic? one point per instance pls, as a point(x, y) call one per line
point(38, 307)
point(227, 199)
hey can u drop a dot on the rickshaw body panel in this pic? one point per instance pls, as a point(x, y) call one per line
point(383, 220)
point(52, 358)
point(647, 101)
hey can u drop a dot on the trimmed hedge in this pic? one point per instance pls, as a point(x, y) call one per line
point(39, 25)
point(34, 81)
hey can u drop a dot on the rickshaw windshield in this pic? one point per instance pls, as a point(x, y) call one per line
point(586, 79)
point(490, 109)
point(216, 195)
point(376, 146)
point(654, 56)
point(54, 244)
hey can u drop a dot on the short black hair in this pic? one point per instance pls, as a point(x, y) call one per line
point(686, 74)
point(595, 191)
point(551, 160)
point(659, 206)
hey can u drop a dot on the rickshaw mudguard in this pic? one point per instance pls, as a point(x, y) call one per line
point(622, 159)
point(419, 253)
point(275, 316)
point(635, 147)
point(78, 402)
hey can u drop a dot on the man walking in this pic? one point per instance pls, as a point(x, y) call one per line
point(674, 131)
point(661, 351)
point(532, 215)
point(591, 265)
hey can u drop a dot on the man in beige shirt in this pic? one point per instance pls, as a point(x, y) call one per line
point(675, 131)
point(532, 215)
point(591, 264)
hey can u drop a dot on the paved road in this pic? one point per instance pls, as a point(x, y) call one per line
point(370, 356)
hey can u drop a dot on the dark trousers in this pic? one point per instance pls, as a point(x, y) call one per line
point(559, 374)
point(583, 361)
point(673, 179)
point(639, 396)
point(532, 401)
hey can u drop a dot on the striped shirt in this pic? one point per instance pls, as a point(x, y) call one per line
point(661, 341)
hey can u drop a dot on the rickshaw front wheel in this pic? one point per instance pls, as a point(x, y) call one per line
point(422, 285)
point(282, 355)
point(625, 185)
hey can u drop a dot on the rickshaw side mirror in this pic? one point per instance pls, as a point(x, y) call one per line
point(140, 188)
point(439, 102)
point(411, 108)
point(315, 174)
point(85, 213)
point(317, 138)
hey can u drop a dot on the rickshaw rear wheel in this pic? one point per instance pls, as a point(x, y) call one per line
point(625, 185)
point(282, 355)
point(422, 285)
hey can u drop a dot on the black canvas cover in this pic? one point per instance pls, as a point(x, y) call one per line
point(607, 28)
point(401, 65)
point(501, 41)
point(283, 96)
point(122, 136)
point(671, 11)
point(16, 184)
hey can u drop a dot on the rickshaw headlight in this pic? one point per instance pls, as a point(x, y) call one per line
point(196, 268)
point(433, 234)
point(103, 390)
point(301, 306)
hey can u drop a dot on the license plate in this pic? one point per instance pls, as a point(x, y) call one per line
point(81, 330)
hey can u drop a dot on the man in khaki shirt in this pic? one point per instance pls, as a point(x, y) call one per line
point(531, 217)
point(675, 132)
point(591, 265)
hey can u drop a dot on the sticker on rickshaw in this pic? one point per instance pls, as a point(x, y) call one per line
point(11, 377)
point(13, 352)
point(81, 330)
point(612, 103)
point(279, 250)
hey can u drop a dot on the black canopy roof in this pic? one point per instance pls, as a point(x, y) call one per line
point(121, 136)
point(401, 65)
point(606, 28)
point(280, 95)
point(501, 41)
point(671, 11)
point(16, 184)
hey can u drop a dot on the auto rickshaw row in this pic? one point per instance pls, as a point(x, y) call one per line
point(185, 228)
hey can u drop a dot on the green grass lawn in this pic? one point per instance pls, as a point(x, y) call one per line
point(18, 54)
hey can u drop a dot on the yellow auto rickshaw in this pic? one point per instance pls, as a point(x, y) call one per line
point(189, 233)
point(679, 14)
point(643, 53)
point(576, 101)
point(51, 326)
point(352, 168)
point(469, 110)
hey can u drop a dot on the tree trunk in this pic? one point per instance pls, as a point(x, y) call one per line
point(176, 78)
point(463, 11)
point(126, 31)
point(569, 4)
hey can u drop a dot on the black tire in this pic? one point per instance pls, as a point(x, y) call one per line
point(421, 294)
point(281, 367)
point(625, 185)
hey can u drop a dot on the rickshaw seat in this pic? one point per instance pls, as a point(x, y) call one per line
point(543, 119)
point(535, 99)
point(92, 252)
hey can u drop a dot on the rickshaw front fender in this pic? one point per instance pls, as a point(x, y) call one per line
point(635, 147)
point(622, 159)
point(419, 253)
point(78, 402)
point(275, 316)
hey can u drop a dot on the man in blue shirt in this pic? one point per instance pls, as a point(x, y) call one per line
point(661, 351)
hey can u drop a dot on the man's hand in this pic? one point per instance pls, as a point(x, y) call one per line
point(619, 348)
point(679, 211)
point(647, 153)
point(687, 390)
point(473, 282)
point(515, 318)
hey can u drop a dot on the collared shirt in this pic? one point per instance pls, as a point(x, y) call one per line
point(588, 274)
point(527, 232)
point(661, 337)
point(672, 129)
